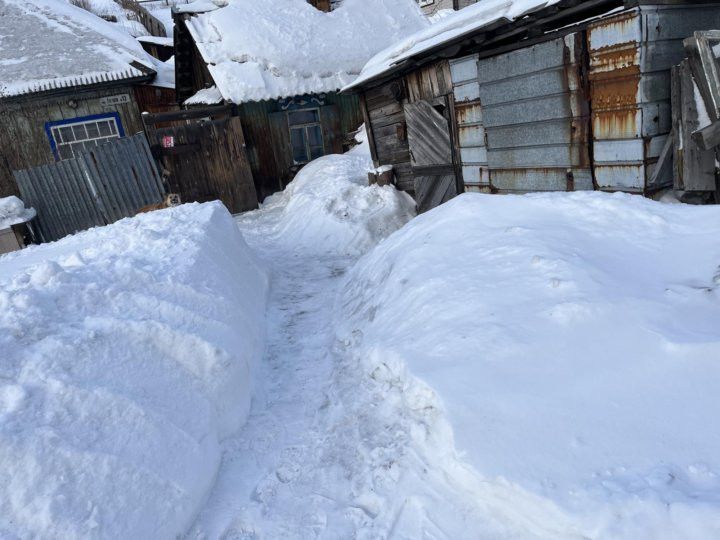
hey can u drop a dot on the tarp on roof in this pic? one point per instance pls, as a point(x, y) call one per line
point(456, 25)
point(257, 50)
point(51, 44)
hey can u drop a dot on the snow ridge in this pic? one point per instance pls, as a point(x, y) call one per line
point(128, 353)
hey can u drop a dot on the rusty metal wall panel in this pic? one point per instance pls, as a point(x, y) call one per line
point(631, 54)
point(536, 117)
point(470, 129)
point(97, 187)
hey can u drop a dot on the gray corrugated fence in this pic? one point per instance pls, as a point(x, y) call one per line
point(97, 187)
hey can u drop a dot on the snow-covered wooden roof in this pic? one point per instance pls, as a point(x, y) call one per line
point(49, 45)
point(465, 22)
point(257, 50)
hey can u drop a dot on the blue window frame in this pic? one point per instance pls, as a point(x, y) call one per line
point(67, 137)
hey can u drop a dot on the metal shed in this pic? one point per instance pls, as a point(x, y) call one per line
point(572, 97)
point(631, 54)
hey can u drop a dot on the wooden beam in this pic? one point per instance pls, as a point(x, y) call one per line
point(189, 114)
point(708, 137)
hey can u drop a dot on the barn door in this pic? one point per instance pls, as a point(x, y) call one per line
point(428, 132)
point(203, 156)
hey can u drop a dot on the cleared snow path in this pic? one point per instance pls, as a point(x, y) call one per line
point(329, 451)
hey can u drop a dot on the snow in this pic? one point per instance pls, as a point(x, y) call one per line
point(76, 48)
point(330, 207)
point(564, 347)
point(128, 353)
point(13, 211)
point(318, 52)
point(206, 96)
point(455, 25)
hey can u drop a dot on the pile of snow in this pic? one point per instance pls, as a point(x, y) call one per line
point(13, 211)
point(48, 44)
point(452, 26)
point(127, 354)
point(571, 341)
point(329, 206)
point(267, 50)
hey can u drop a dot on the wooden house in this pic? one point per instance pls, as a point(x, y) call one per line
point(68, 81)
point(539, 95)
point(280, 66)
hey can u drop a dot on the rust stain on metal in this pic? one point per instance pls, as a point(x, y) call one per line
point(468, 114)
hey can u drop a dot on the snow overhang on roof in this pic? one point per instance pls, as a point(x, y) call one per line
point(51, 45)
point(261, 50)
point(467, 24)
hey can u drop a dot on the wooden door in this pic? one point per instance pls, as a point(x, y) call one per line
point(203, 158)
point(431, 152)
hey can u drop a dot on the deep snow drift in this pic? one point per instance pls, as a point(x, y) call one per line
point(569, 342)
point(329, 208)
point(127, 354)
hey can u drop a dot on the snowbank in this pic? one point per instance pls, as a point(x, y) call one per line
point(127, 354)
point(13, 211)
point(571, 341)
point(330, 208)
point(267, 50)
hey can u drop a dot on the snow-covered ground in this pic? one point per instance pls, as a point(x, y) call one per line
point(126, 357)
point(569, 344)
point(539, 366)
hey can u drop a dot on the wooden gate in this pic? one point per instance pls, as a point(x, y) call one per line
point(431, 152)
point(202, 152)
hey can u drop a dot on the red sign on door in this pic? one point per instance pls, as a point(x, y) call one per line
point(168, 141)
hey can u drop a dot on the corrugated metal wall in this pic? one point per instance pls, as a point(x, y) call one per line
point(536, 117)
point(98, 187)
point(470, 129)
point(631, 54)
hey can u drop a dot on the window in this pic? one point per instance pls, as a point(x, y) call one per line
point(306, 136)
point(67, 137)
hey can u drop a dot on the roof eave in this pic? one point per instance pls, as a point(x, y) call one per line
point(491, 34)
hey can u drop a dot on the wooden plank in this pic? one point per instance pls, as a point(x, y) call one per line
point(369, 129)
point(708, 137)
point(330, 122)
point(189, 114)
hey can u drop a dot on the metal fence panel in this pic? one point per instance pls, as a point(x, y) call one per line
point(97, 187)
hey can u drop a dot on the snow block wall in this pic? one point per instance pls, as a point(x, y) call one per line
point(570, 342)
point(127, 355)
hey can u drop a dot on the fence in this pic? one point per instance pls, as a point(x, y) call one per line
point(97, 187)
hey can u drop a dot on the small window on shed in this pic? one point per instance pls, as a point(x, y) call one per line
point(306, 137)
point(68, 137)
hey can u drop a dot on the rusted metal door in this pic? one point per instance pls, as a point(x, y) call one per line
point(431, 152)
point(203, 156)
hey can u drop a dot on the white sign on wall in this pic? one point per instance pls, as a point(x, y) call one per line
point(112, 101)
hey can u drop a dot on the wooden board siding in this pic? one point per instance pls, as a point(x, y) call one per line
point(206, 162)
point(153, 99)
point(268, 138)
point(389, 131)
point(386, 119)
point(429, 82)
point(23, 140)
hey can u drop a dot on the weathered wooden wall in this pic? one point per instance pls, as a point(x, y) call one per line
point(268, 138)
point(154, 99)
point(191, 72)
point(385, 120)
point(23, 140)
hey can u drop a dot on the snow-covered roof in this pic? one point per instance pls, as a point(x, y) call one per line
point(51, 44)
point(455, 25)
point(257, 50)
